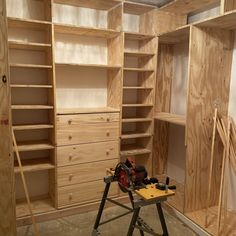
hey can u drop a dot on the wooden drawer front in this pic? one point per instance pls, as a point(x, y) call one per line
point(86, 133)
point(64, 120)
point(85, 192)
point(84, 172)
point(87, 153)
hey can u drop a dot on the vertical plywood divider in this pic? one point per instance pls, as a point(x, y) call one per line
point(7, 201)
point(209, 80)
point(228, 5)
point(162, 104)
point(115, 18)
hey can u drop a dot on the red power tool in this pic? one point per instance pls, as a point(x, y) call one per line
point(130, 176)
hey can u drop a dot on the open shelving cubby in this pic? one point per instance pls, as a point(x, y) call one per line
point(32, 97)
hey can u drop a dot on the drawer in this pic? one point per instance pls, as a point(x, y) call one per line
point(72, 155)
point(84, 172)
point(83, 193)
point(64, 120)
point(87, 133)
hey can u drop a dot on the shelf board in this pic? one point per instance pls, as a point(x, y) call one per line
point(138, 36)
point(137, 87)
point(89, 65)
point(177, 36)
point(98, 4)
point(137, 105)
point(28, 23)
point(185, 7)
point(131, 135)
point(32, 127)
point(137, 8)
point(28, 46)
point(38, 206)
point(30, 86)
point(34, 165)
point(171, 118)
point(132, 120)
point(68, 111)
point(78, 30)
point(138, 54)
point(226, 21)
point(31, 107)
point(138, 69)
point(33, 66)
point(131, 149)
point(34, 146)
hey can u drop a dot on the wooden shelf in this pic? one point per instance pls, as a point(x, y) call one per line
point(33, 66)
point(38, 206)
point(137, 105)
point(28, 23)
point(138, 54)
point(89, 65)
point(30, 86)
point(227, 21)
point(185, 7)
point(131, 120)
point(32, 127)
point(171, 118)
point(34, 165)
point(179, 35)
point(136, 87)
point(68, 111)
point(138, 70)
point(131, 135)
point(28, 46)
point(138, 36)
point(77, 30)
point(137, 8)
point(31, 107)
point(133, 150)
point(34, 146)
point(98, 4)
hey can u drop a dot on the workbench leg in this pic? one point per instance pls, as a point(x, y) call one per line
point(132, 202)
point(103, 202)
point(162, 219)
point(133, 221)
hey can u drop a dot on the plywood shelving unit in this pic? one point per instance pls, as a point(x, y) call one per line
point(127, 78)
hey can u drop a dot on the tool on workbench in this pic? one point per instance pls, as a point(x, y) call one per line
point(165, 186)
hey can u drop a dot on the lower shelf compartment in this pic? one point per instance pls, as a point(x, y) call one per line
point(227, 225)
point(38, 206)
point(131, 149)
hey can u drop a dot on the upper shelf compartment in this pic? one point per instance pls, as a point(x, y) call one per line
point(137, 16)
point(100, 14)
point(183, 7)
point(30, 9)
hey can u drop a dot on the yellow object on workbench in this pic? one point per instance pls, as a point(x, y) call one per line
point(152, 193)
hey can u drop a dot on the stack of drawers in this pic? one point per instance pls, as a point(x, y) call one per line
point(87, 144)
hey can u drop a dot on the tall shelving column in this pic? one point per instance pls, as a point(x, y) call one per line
point(138, 83)
point(32, 92)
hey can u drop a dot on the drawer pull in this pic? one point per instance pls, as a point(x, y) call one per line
point(70, 157)
point(108, 119)
point(70, 177)
point(70, 196)
point(108, 133)
point(70, 137)
point(107, 152)
point(69, 122)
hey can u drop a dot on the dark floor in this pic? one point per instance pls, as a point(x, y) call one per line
point(81, 225)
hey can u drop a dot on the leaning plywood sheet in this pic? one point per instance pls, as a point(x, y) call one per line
point(7, 206)
point(208, 87)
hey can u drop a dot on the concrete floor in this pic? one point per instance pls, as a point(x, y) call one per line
point(81, 225)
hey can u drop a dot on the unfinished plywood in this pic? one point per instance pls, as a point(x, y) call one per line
point(209, 87)
point(229, 5)
point(187, 6)
point(7, 203)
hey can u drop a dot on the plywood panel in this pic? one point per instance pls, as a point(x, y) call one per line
point(230, 5)
point(7, 203)
point(163, 91)
point(208, 88)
